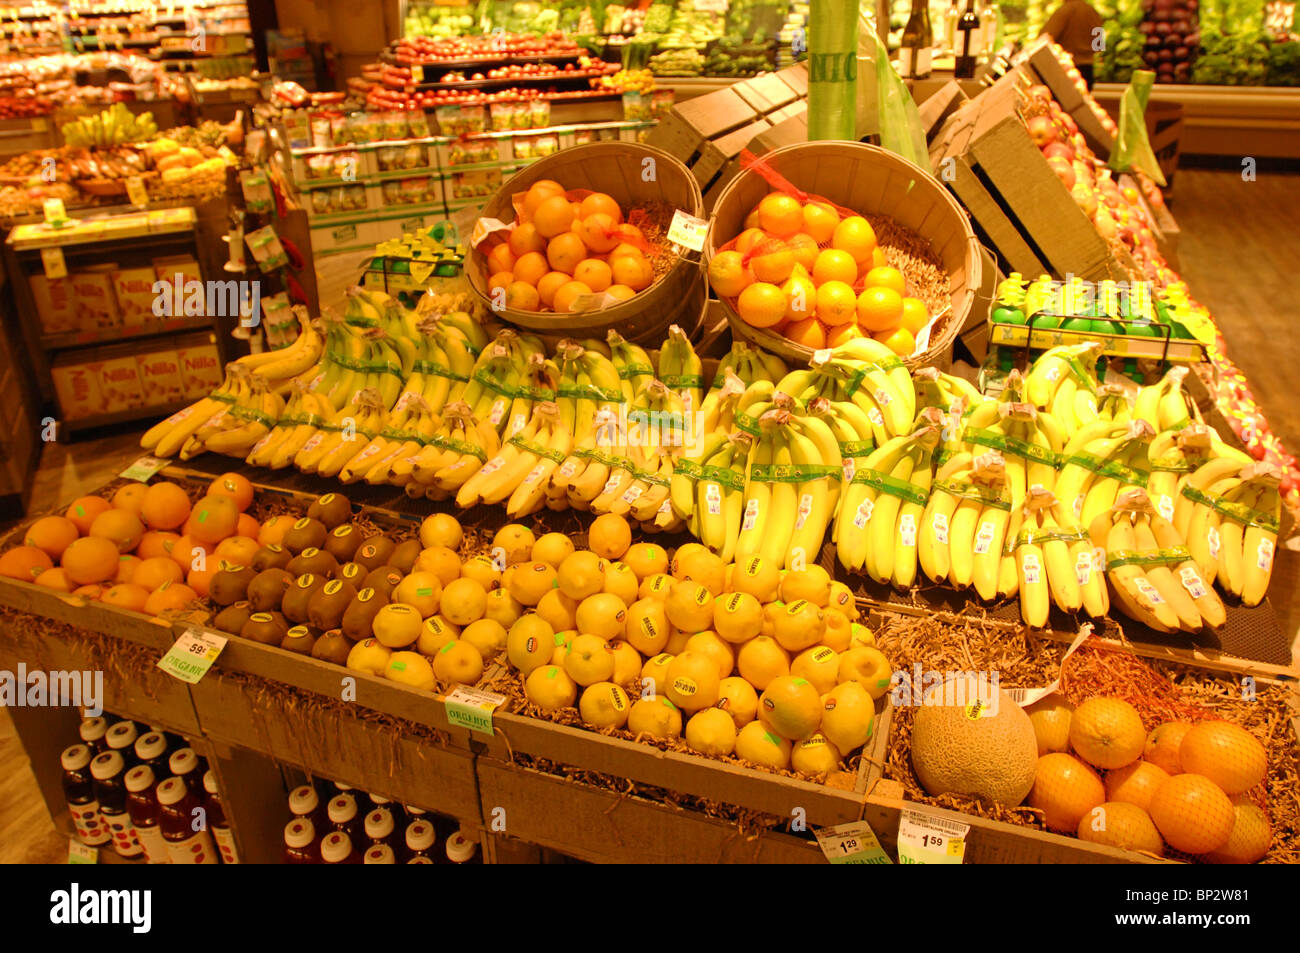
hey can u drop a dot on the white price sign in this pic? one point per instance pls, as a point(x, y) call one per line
point(852, 843)
point(926, 839)
point(192, 655)
point(688, 231)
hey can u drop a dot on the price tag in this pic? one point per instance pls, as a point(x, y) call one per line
point(192, 655)
point(852, 843)
point(472, 708)
point(79, 853)
point(55, 214)
point(54, 263)
point(417, 73)
point(688, 231)
point(144, 469)
point(712, 6)
point(926, 839)
point(135, 191)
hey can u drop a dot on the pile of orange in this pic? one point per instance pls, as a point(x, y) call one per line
point(560, 250)
point(818, 279)
point(146, 549)
point(1183, 786)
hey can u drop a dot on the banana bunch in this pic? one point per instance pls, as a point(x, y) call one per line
point(722, 495)
point(1100, 460)
point(1063, 380)
point(943, 391)
point(634, 366)
point(1029, 439)
point(1055, 563)
point(114, 126)
point(520, 472)
point(749, 364)
point(280, 369)
point(1113, 404)
point(237, 428)
point(680, 369)
point(390, 456)
point(965, 522)
point(168, 436)
point(656, 435)
point(867, 372)
point(1164, 405)
point(1174, 454)
point(304, 411)
point(460, 446)
point(341, 438)
point(1152, 576)
point(594, 390)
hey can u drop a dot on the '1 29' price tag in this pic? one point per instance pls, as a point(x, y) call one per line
point(926, 839)
point(192, 655)
point(852, 843)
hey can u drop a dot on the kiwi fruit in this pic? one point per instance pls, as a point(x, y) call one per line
point(230, 583)
point(405, 554)
point(267, 589)
point(300, 595)
point(326, 608)
point(233, 616)
point(353, 573)
point(384, 579)
point(344, 541)
point(314, 561)
point(304, 534)
point(269, 628)
point(333, 646)
point(374, 552)
point(359, 616)
point(273, 556)
point(332, 509)
point(299, 639)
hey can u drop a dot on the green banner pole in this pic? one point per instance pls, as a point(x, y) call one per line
point(832, 69)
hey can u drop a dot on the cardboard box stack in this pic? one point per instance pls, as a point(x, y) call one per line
point(103, 297)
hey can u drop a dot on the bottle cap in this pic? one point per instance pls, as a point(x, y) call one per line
point(183, 761)
point(460, 848)
point(420, 835)
point(139, 778)
point(380, 854)
point(376, 800)
point(379, 823)
point(172, 791)
point(303, 800)
point(210, 782)
point(92, 729)
point(299, 832)
point(335, 848)
point(421, 859)
point(415, 811)
point(122, 735)
point(106, 765)
point(150, 746)
point(75, 757)
point(342, 787)
point(342, 809)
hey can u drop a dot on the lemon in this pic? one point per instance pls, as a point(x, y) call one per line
point(529, 643)
point(839, 631)
point(761, 660)
point(420, 589)
point(654, 674)
point(799, 626)
point(755, 743)
point(435, 633)
point(738, 699)
point(647, 627)
point(815, 757)
point(410, 668)
point(559, 610)
point(550, 689)
point(603, 614)
point(439, 560)
point(690, 606)
point(604, 705)
point(869, 666)
point(530, 581)
point(692, 681)
point(463, 601)
point(848, 716)
point(627, 663)
point(711, 732)
point(486, 635)
point(516, 541)
point(812, 584)
point(657, 717)
point(440, 529)
point(755, 576)
point(861, 635)
point(646, 560)
point(820, 665)
point(708, 643)
point(655, 587)
point(695, 562)
point(770, 612)
point(589, 660)
point(738, 617)
point(458, 663)
point(843, 600)
point(501, 607)
point(482, 571)
point(677, 640)
point(609, 536)
point(552, 549)
point(397, 625)
point(562, 641)
point(581, 575)
point(790, 706)
point(621, 581)
point(369, 655)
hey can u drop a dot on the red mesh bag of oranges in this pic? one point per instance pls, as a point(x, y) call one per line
point(812, 271)
point(567, 250)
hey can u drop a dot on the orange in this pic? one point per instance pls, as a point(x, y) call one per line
point(90, 559)
point(623, 248)
point(1250, 838)
point(213, 519)
point(54, 579)
point(855, 236)
point(1121, 825)
point(728, 274)
point(751, 220)
point(819, 221)
point(636, 273)
point(548, 284)
point(809, 332)
point(166, 506)
point(186, 551)
point(1065, 790)
point(499, 279)
point(83, 511)
point(531, 267)
point(836, 303)
point(771, 261)
point(173, 595)
point(500, 259)
point(524, 239)
point(28, 562)
point(749, 238)
point(629, 234)
point(1163, 745)
point(239, 550)
point(564, 252)
point(130, 497)
point(126, 596)
point(200, 580)
point(899, 340)
point(878, 258)
point(804, 250)
point(247, 526)
point(152, 573)
point(567, 294)
point(1192, 814)
point(52, 534)
point(235, 486)
point(537, 193)
point(842, 334)
point(1107, 732)
point(593, 273)
point(800, 295)
point(126, 565)
point(522, 296)
point(880, 309)
point(915, 317)
point(1135, 783)
point(780, 214)
point(121, 526)
point(273, 530)
point(1227, 754)
point(154, 543)
point(835, 265)
point(761, 305)
point(620, 292)
point(600, 202)
point(600, 232)
point(886, 277)
point(554, 215)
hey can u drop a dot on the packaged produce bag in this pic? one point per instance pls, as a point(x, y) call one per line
point(833, 70)
point(1132, 147)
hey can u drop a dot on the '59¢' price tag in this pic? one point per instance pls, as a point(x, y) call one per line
point(192, 655)
point(688, 231)
point(852, 843)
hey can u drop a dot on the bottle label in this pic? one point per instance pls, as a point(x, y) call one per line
point(226, 845)
point(90, 826)
point(122, 831)
point(155, 846)
point(195, 849)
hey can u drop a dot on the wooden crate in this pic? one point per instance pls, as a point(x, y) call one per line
point(935, 109)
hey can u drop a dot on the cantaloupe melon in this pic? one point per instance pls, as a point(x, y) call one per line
point(974, 749)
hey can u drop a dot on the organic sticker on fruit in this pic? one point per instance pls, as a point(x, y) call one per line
point(926, 839)
point(472, 708)
point(192, 655)
point(851, 843)
point(144, 469)
point(688, 231)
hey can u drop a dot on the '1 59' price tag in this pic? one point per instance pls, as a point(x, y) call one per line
point(926, 839)
point(192, 655)
point(852, 843)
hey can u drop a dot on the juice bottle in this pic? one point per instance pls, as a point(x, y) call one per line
point(121, 738)
point(344, 818)
point(92, 732)
point(109, 771)
point(420, 840)
point(186, 764)
point(462, 850)
point(361, 797)
point(142, 805)
point(79, 789)
point(185, 845)
point(217, 822)
point(336, 848)
point(305, 802)
point(380, 854)
point(151, 749)
point(300, 843)
point(380, 828)
point(399, 815)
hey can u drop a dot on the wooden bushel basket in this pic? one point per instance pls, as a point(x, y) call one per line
point(870, 181)
point(617, 169)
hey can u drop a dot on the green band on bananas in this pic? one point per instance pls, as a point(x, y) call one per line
point(658, 420)
point(654, 479)
point(1110, 468)
point(294, 420)
point(857, 377)
point(224, 398)
point(678, 381)
point(857, 448)
point(540, 449)
point(335, 428)
point(504, 388)
point(1159, 557)
point(629, 371)
point(386, 367)
point(352, 365)
point(1181, 424)
point(723, 476)
point(793, 473)
point(252, 413)
point(459, 446)
point(1237, 512)
point(1174, 463)
point(535, 393)
point(437, 370)
point(748, 424)
point(1080, 373)
point(973, 491)
point(1037, 537)
point(1012, 445)
point(472, 348)
point(592, 392)
point(687, 468)
point(884, 483)
point(597, 456)
point(392, 433)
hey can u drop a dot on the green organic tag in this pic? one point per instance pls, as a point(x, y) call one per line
point(852, 843)
point(144, 469)
point(192, 655)
point(79, 853)
point(472, 708)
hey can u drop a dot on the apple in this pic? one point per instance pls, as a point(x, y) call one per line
point(1085, 198)
point(1063, 170)
point(1041, 131)
point(1106, 226)
point(1059, 149)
